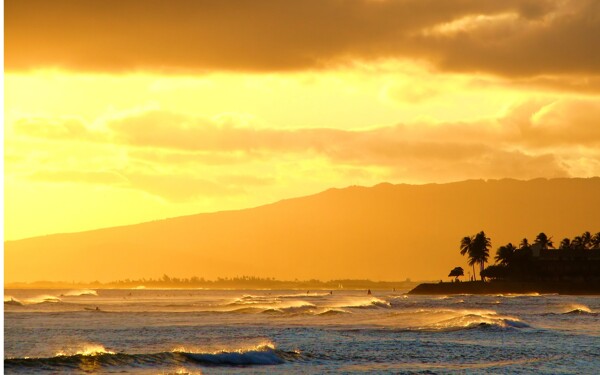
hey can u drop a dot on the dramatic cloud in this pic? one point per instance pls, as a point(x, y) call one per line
point(180, 157)
point(509, 37)
point(532, 124)
point(570, 123)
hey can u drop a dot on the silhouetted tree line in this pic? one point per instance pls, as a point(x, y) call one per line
point(586, 241)
point(239, 282)
point(517, 262)
point(253, 282)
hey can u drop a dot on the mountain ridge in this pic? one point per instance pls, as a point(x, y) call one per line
point(381, 232)
point(263, 205)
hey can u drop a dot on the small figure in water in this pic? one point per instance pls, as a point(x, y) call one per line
point(369, 292)
point(97, 309)
point(308, 291)
point(331, 292)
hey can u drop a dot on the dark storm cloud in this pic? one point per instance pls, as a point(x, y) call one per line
point(514, 37)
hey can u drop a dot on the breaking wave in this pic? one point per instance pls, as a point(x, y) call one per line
point(11, 301)
point(86, 351)
point(48, 298)
point(269, 305)
point(366, 303)
point(330, 312)
point(96, 357)
point(577, 309)
point(255, 300)
point(298, 308)
point(469, 320)
point(8, 300)
point(79, 293)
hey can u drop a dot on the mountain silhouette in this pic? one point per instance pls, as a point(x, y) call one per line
point(384, 232)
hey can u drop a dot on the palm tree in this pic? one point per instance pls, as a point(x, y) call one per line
point(565, 244)
point(577, 243)
point(505, 254)
point(586, 240)
point(471, 262)
point(456, 272)
point(524, 245)
point(544, 241)
point(466, 247)
point(481, 249)
point(596, 240)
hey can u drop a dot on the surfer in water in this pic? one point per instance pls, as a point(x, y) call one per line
point(369, 292)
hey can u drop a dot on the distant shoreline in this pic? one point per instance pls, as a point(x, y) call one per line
point(225, 284)
point(507, 287)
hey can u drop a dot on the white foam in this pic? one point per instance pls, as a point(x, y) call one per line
point(88, 350)
point(82, 292)
point(364, 302)
point(41, 299)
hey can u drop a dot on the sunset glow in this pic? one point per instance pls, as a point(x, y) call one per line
point(171, 134)
point(301, 186)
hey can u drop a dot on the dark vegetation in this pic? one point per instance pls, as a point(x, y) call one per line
point(575, 259)
point(531, 261)
point(537, 267)
point(477, 248)
point(456, 273)
point(242, 282)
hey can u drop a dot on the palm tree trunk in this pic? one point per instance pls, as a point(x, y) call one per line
point(474, 277)
point(481, 269)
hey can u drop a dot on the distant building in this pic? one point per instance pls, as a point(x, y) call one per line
point(582, 265)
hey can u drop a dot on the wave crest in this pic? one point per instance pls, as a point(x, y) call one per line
point(330, 312)
point(46, 298)
point(578, 309)
point(372, 302)
point(9, 300)
point(79, 293)
point(87, 351)
point(263, 354)
point(476, 320)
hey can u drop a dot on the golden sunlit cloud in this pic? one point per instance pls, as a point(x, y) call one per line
point(196, 106)
point(185, 163)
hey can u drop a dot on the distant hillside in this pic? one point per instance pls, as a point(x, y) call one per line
point(385, 232)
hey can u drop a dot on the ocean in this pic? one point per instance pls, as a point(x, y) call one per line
point(144, 331)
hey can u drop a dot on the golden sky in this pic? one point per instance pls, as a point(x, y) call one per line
point(123, 111)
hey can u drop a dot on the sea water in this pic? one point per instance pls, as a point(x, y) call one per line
point(303, 332)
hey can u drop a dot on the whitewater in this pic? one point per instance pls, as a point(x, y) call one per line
point(146, 331)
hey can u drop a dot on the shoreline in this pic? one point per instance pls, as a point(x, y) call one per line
point(231, 283)
point(507, 287)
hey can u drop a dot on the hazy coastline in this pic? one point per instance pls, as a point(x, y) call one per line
point(240, 283)
point(507, 287)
